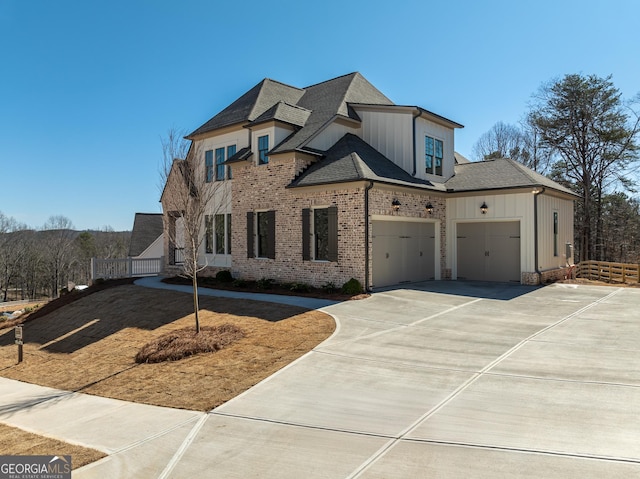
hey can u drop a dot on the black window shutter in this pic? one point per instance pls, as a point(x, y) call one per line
point(333, 233)
point(250, 252)
point(306, 234)
point(271, 234)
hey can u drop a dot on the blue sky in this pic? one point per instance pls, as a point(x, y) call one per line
point(87, 88)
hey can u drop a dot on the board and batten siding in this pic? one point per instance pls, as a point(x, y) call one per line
point(331, 134)
point(391, 134)
point(429, 128)
point(547, 205)
point(506, 207)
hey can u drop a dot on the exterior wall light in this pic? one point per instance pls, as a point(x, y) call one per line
point(429, 207)
point(395, 204)
point(484, 208)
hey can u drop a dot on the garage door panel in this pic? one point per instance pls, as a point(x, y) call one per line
point(471, 251)
point(488, 251)
point(403, 252)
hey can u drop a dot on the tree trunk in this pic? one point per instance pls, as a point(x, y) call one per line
point(196, 307)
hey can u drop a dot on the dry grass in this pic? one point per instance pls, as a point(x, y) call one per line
point(15, 441)
point(21, 306)
point(186, 342)
point(90, 346)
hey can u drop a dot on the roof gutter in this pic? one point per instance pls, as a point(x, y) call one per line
point(536, 193)
point(367, 285)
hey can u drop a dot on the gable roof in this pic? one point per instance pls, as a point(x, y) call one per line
point(352, 159)
point(328, 100)
point(146, 229)
point(251, 105)
point(498, 174)
point(308, 109)
point(286, 113)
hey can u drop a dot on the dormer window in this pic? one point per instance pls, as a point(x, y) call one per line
point(433, 152)
point(263, 148)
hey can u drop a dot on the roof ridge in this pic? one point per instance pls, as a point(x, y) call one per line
point(281, 83)
point(331, 79)
point(525, 170)
point(293, 105)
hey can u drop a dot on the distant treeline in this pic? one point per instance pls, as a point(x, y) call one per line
point(37, 263)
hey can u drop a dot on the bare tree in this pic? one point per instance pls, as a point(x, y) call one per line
point(521, 144)
point(189, 193)
point(501, 141)
point(59, 235)
point(12, 252)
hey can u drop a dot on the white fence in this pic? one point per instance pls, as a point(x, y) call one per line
point(125, 267)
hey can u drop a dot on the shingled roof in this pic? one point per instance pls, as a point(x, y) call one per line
point(352, 159)
point(146, 229)
point(309, 109)
point(498, 174)
point(251, 105)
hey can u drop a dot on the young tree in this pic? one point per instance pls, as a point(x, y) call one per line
point(593, 133)
point(189, 193)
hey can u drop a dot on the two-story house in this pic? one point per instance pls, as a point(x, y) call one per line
point(334, 181)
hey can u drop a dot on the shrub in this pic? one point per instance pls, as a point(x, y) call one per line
point(299, 287)
point(353, 286)
point(265, 283)
point(329, 287)
point(239, 283)
point(224, 276)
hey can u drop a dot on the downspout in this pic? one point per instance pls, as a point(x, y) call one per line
point(367, 286)
point(535, 231)
point(415, 165)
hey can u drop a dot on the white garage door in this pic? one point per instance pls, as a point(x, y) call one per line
point(403, 252)
point(489, 251)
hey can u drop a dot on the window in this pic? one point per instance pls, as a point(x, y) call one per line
point(263, 148)
point(208, 165)
point(555, 233)
point(320, 234)
point(433, 153)
point(263, 234)
point(220, 236)
point(229, 233)
point(219, 164)
point(231, 150)
point(217, 234)
point(208, 235)
point(262, 244)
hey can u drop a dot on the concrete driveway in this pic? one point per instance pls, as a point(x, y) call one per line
point(446, 379)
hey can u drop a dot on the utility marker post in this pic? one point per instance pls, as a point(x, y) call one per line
point(19, 342)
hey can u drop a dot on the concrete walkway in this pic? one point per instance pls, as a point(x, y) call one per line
point(437, 380)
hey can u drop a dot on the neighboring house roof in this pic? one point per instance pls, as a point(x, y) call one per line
point(146, 229)
point(498, 174)
point(352, 159)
